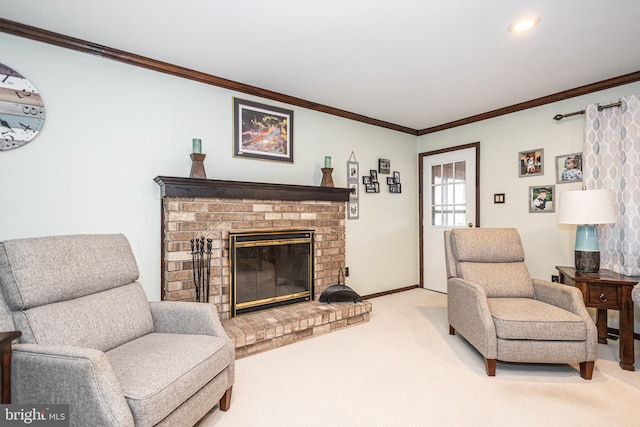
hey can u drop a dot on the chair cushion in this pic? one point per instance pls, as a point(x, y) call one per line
point(500, 280)
point(44, 270)
point(501, 245)
point(100, 321)
point(529, 319)
point(158, 372)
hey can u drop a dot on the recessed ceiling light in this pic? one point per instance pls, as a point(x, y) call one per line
point(524, 24)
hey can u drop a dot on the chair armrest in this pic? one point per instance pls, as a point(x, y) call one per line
point(6, 338)
point(571, 299)
point(469, 314)
point(564, 296)
point(80, 377)
point(179, 317)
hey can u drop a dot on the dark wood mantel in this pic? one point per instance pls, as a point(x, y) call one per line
point(214, 188)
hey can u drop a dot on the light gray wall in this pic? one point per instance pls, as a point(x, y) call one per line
point(111, 128)
point(546, 242)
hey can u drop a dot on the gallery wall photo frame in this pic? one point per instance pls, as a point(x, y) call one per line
point(353, 186)
point(394, 183)
point(531, 162)
point(542, 199)
point(370, 182)
point(569, 168)
point(353, 178)
point(353, 171)
point(353, 211)
point(262, 131)
point(384, 166)
point(353, 183)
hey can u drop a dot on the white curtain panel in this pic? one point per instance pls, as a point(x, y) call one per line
point(611, 158)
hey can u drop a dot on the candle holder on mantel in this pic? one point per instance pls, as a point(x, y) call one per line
point(327, 179)
point(197, 166)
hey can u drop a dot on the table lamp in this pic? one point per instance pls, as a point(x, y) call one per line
point(587, 208)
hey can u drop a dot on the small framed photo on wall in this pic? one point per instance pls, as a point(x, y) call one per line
point(569, 168)
point(395, 188)
point(541, 199)
point(353, 183)
point(354, 210)
point(384, 166)
point(353, 186)
point(352, 170)
point(531, 162)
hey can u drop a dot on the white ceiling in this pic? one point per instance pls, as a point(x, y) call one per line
point(409, 62)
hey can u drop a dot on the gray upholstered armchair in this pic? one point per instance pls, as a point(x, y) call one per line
point(504, 313)
point(91, 339)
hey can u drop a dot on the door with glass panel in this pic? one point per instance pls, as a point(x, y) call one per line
point(448, 200)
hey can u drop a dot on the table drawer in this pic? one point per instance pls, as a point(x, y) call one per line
point(602, 296)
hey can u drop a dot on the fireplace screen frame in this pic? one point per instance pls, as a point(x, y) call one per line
point(249, 239)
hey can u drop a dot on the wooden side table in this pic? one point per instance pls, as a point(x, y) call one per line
point(606, 290)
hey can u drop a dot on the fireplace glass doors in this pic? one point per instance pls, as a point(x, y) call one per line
point(270, 268)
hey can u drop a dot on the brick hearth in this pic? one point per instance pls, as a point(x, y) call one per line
point(273, 328)
point(192, 208)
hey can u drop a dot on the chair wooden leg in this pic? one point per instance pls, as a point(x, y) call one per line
point(225, 400)
point(586, 369)
point(491, 367)
point(6, 338)
point(5, 373)
point(452, 330)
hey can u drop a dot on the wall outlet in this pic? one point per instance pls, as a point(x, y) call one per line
point(555, 278)
point(346, 272)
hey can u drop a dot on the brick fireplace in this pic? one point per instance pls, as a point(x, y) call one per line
point(192, 208)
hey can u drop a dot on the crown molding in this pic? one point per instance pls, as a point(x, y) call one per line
point(49, 37)
point(56, 39)
point(560, 96)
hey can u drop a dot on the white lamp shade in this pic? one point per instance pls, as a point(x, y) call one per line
point(586, 207)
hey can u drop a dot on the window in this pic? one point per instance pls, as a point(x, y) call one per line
point(449, 195)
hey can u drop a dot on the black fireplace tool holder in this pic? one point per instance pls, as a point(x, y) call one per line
point(201, 257)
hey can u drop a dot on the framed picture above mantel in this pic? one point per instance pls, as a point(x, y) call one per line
point(262, 131)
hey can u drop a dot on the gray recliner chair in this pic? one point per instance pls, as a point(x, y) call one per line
point(493, 302)
point(91, 339)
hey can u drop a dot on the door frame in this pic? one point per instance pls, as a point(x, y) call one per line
point(421, 157)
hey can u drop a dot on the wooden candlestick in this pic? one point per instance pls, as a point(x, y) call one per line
point(197, 166)
point(327, 180)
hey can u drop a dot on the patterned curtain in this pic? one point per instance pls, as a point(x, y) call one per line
point(612, 160)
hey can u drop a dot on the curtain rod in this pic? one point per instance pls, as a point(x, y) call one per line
point(575, 113)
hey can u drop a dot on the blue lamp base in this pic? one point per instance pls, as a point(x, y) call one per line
point(587, 258)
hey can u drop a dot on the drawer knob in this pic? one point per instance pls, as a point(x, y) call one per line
point(603, 298)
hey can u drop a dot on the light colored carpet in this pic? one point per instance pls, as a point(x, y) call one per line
point(402, 368)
